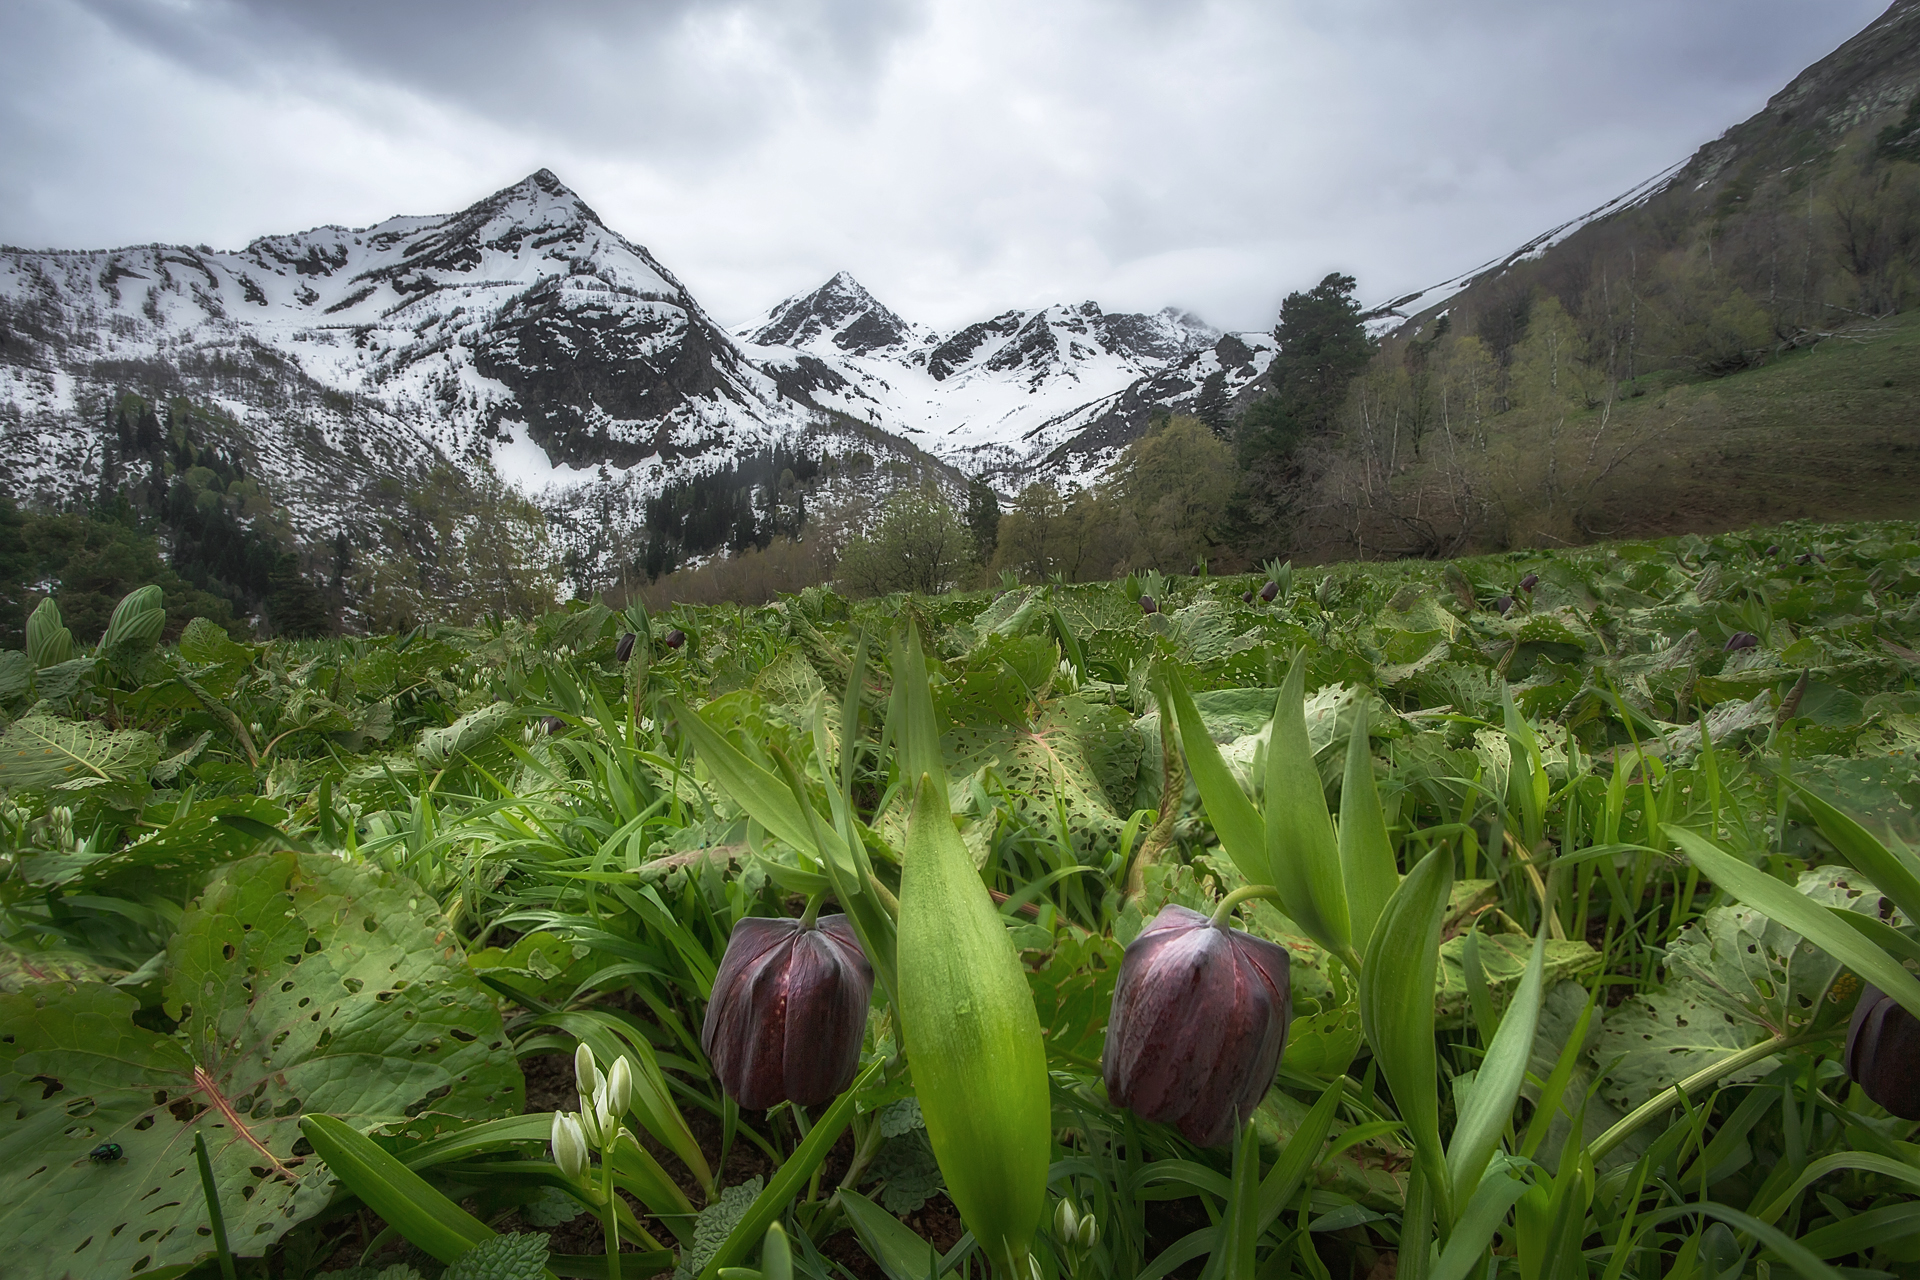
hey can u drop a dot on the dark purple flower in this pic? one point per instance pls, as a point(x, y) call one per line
point(1198, 1024)
point(1269, 591)
point(676, 638)
point(553, 724)
point(1246, 597)
point(1773, 550)
point(1147, 605)
point(624, 650)
point(1529, 582)
point(788, 1009)
point(1503, 605)
point(1883, 1053)
point(1741, 640)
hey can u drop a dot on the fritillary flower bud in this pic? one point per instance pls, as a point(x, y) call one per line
point(676, 638)
point(1503, 605)
point(569, 1145)
point(1529, 582)
point(1147, 605)
point(624, 650)
point(788, 1010)
point(1269, 591)
point(1741, 640)
point(1198, 1023)
point(1883, 1053)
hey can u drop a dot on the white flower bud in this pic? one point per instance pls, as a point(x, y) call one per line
point(585, 1074)
point(569, 1145)
point(619, 1087)
point(1089, 1231)
point(1065, 1221)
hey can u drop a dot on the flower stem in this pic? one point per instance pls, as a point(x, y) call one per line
point(1224, 913)
point(1670, 1097)
point(612, 1219)
point(813, 910)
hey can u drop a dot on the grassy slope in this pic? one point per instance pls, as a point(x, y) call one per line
point(1830, 434)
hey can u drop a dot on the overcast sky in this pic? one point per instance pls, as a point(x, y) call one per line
point(958, 156)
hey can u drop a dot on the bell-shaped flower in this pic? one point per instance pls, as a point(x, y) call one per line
point(569, 1145)
point(1883, 1053)
point(1198, 1023)
point(788, 1010)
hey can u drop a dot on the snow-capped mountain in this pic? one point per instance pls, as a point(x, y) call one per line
point(1003, 395)
point(523, 333)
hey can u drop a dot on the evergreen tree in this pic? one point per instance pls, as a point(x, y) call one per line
point(983, 518)
point(1323, 347)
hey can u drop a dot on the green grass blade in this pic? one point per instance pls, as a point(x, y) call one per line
point(753, 788)
point(790, 1178)
point(1483, 1216)
point(1894, 875)
point(400, 1196)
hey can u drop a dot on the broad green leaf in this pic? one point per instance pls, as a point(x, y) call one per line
point(1895, 875)
point(440, 747)
point(49, 643)
point(1302, 852)
point(135, 626)
point(1796, 911)
point(1736, 977)
point(41, 752)
point(1366, 851)
point(972, 1035)
point(205, 643)
point(289, 1003)
point(16, 674)
point(1396, 1006)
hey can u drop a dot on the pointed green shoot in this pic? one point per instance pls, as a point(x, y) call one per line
point(764, 796)
point(915, 723)
point(1396, 1009)
point(1496, 1086)
point(1301, 848)
point(1366, 851)
point(1238, 824)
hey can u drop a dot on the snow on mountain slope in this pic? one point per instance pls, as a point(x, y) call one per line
point(522, 333)
point(999, 396)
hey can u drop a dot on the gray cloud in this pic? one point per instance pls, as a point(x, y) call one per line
point(957, 155)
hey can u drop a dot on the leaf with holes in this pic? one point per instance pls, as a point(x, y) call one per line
point(1734, 979)
point(302, 983)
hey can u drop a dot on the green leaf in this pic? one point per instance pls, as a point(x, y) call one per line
point(1242, 832)
point(900, 1251)
point(440, 747)
point(791, 1176)
point(1302, 852)
point(205, 643)
point(1240, 1229)
point(1895, 875)
point(519, 1256)
point(1736, 977)
point(716, 1226)
point(405, 1200)
point(48, 642)
point(1483, 1216)
point(1366, 851)
point(16, 675)
point(767, 799)
point(135, 626)
point(1496, 1085)
point(1396, 1006)
point(289, 1003)
point(972, 1035)
point(41, 752)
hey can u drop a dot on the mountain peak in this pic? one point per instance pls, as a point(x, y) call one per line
point(841, 312)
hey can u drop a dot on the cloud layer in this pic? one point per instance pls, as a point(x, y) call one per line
point(958, 156)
